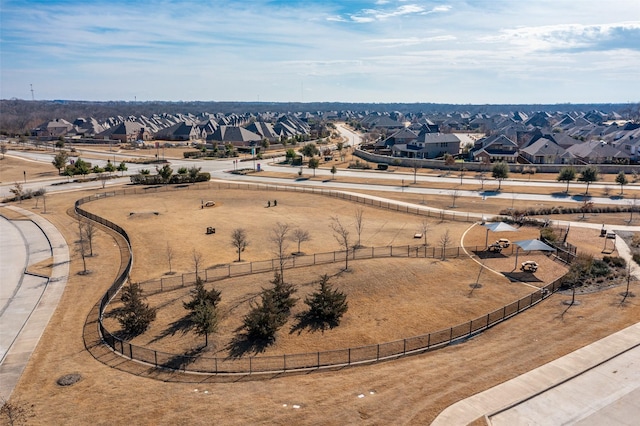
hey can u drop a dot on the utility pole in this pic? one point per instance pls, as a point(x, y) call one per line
point(32, 96)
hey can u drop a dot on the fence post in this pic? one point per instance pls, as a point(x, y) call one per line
point(318, 359)
point(378, 353)
point(284, 362)
point(349, 356)
point(250, 365)
point(155, 357)
point(161, 287)
point(450, 334)
point(404, 347)
point(428, 340)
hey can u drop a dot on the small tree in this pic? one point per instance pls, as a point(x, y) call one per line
point(482, 178)
point(334, 170)
point(567, 174)
point(282, 294)
point(239, 240)
point(15, 413)
point(309, 150)
point(165, 173)
point(196, 258)
point(109, 167)
point(588, 175)
point(341, 234)
point(122, 167)
point(313, 164)
point(500, 171)
point(104, 177)
point(622, 180)
point(415, 165)
point(81, 167)
point(290, 154)
point(445, 241)
point(88, 232)
point(359, 223)
point(82, 249)
point(340, 147)
point(300, 236)
point(265, 319)
point(194, 172)
point(69, 172)
point(3, 149)
point(169, 254)
point(17, 191)
point(60, 160)
point(326, 306)
point(424, 228)
point(279, 238)
point(454, 196)
point(203, 309)
point(135, 316)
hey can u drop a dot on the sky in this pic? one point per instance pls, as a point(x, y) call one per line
point(381, 51)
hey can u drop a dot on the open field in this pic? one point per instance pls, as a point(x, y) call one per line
point(412, 390)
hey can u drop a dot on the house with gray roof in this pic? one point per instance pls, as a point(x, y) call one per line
point(495, 148)
point(180, 132)
point(428, 145)
point(127, 131)
point(265, 130)
point(597, 152)
point(52, 129)
point(545, 151)
point(237, 136)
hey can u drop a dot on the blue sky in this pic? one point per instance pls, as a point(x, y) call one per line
point(476, 52)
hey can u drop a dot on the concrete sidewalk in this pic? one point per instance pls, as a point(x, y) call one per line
point(29, 300)
point(597, 384)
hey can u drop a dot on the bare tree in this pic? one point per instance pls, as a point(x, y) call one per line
point(18, 191)
point(445, 241)
point(633, 202)
point(482, 177)
point(104, 177)
point(82, 249)
point(415, 165)
point(88, 232)
point(239, 240)
point(197, 259)
point(341, 234)
point(169, 254)
point(359, 224)
point(424, 227)
point(3, 149)
point(15, 413)
point(300, 236)
point(279, 238)
point(454, 196)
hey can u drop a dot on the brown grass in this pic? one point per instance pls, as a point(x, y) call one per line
point(412, 390)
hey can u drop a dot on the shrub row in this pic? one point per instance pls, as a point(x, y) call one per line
point(140, 179)
point(544, 211)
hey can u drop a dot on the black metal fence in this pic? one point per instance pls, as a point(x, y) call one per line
point(326, 359)
point(301, 361)
point(238, 269)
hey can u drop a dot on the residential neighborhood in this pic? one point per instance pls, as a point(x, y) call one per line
point(518, 137)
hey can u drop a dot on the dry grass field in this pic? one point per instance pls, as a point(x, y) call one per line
point(412, 390)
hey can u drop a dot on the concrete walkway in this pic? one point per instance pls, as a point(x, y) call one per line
point(27, 301)
point(595, 385)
